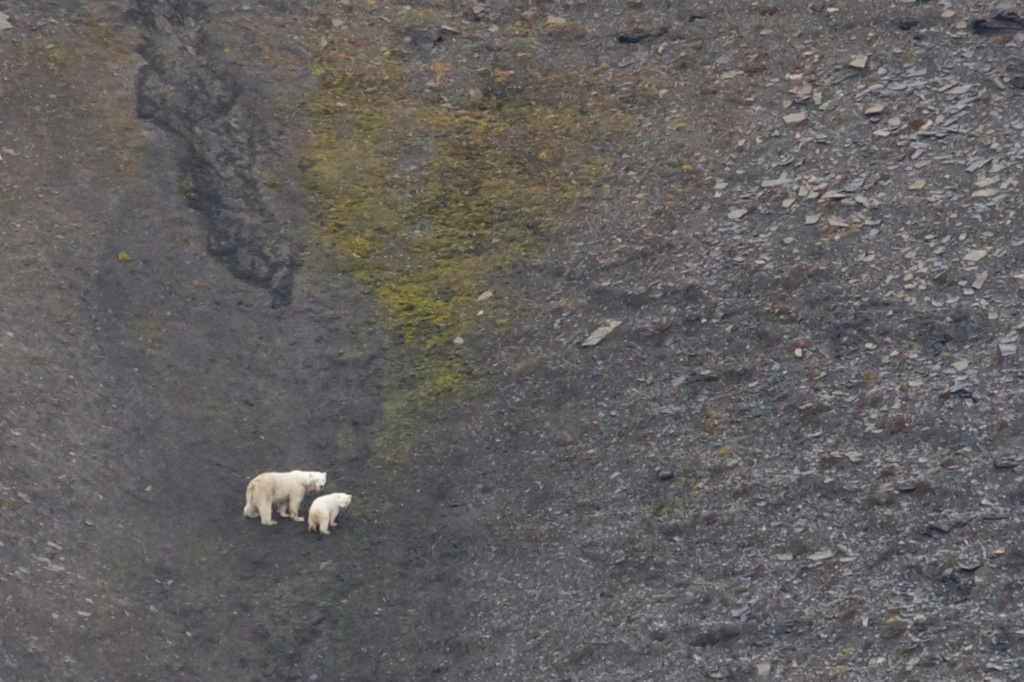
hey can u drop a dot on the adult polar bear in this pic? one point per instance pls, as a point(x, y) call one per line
point(324, 511)
point(283, 488)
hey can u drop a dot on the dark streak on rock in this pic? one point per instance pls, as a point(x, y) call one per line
point(187, 89)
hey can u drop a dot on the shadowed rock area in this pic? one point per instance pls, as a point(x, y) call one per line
point(189, 90)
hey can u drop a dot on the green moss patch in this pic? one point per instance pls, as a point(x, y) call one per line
point(429, 204)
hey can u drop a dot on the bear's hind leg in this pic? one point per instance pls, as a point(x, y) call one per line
point(267, 513)
point(251, 511)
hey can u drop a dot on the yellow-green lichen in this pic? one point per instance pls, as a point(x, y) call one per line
point(428, 204)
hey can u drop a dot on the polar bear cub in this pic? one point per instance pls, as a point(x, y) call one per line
point(324, 511)
point(283, 488)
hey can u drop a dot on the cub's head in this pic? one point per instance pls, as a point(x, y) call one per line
point(316, 480)
point(343, 500)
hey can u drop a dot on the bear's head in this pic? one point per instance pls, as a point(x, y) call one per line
point(343, 500)
point(317, 480)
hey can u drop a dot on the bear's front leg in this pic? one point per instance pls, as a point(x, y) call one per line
point(294, 503)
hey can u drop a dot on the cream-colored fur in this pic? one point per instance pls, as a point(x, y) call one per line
point(324, 511)
point(283, 488)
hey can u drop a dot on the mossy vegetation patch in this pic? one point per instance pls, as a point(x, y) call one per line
point(428, 204)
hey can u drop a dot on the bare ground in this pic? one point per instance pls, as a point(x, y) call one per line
point(795, 458)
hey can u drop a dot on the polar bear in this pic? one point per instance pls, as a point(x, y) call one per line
point(283, 488)
point(324, 511)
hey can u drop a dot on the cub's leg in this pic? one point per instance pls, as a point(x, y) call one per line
point(317, 521)
point(334, 516)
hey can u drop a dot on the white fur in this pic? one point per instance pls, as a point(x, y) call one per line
point(324, 511)
point(283, 488)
